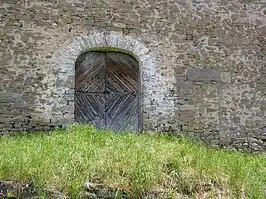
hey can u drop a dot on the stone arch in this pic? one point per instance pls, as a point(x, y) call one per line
point(152, 89)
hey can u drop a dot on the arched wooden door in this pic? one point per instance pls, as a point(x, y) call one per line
point(107, 90)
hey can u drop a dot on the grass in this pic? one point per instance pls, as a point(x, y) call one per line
point(135, 163)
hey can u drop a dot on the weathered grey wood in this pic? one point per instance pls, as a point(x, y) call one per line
point(89, 87)
point(122, 111)
point(122, 73)
point(90, 107)
point(107, 90)
point(90, 72)
point(122, 104)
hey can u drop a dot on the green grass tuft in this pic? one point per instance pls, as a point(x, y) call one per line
point(135, 163)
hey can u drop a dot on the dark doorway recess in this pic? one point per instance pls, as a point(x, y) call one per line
point(107, 90)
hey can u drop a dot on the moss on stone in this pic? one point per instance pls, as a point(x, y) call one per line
point(111, 49)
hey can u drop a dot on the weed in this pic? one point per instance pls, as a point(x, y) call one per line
point(135, 163)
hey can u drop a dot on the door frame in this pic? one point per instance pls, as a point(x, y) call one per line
point(139, 79)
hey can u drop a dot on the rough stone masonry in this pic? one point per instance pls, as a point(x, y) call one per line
point(203, 63)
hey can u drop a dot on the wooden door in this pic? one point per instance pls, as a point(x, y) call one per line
point(107, 90)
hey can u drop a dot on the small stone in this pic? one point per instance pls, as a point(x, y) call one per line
point(87, 195)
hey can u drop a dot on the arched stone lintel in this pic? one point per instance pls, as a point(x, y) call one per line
point(112, 41)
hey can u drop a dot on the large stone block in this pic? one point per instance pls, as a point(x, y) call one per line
point(203, 74)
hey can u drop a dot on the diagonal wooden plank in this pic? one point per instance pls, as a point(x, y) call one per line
point(90, 108)
point(90, 72)
point(121, 73)
point(122, 111)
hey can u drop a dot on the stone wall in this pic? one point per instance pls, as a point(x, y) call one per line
point(203, 63)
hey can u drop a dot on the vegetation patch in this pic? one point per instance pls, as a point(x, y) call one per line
point(133, 164)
